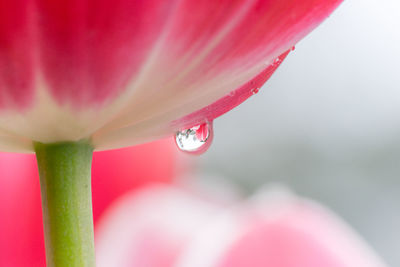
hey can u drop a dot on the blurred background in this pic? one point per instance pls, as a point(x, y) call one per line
point(327, 124)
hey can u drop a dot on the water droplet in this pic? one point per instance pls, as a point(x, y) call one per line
point(196, 139)
point(277, 60)
point(293, 48)
point(255, 90)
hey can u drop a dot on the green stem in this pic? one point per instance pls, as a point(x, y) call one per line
point(65, 172)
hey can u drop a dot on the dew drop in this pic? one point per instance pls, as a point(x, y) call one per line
point(196, 139)
point(255, 90)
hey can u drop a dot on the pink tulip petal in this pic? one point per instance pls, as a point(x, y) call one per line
point(144, 131)
point(16, 54)
point(301, 234)
point(129, 71)
point(91, 49)
point(231, 100)
point(235, 53)
point(149, 228)
point(21, 230)
point(272, 229)
point(278, 229)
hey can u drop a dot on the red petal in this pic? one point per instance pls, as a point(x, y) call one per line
point(91, 49)
point(231, 100)
point(16, 53)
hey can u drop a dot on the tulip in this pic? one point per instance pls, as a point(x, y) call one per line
point(124, 72)
point(81, 75)
point(115, 173)
point(272, 228)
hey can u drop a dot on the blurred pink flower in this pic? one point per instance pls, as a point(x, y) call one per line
point(168, 227)
point(114, 173)
point(123, 72)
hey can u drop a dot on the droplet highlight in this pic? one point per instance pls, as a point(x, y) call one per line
point(196, 139)
point(255, 90)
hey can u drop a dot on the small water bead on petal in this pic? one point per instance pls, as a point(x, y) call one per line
point(196, 139)
point(255, 90)
point(277, 60)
